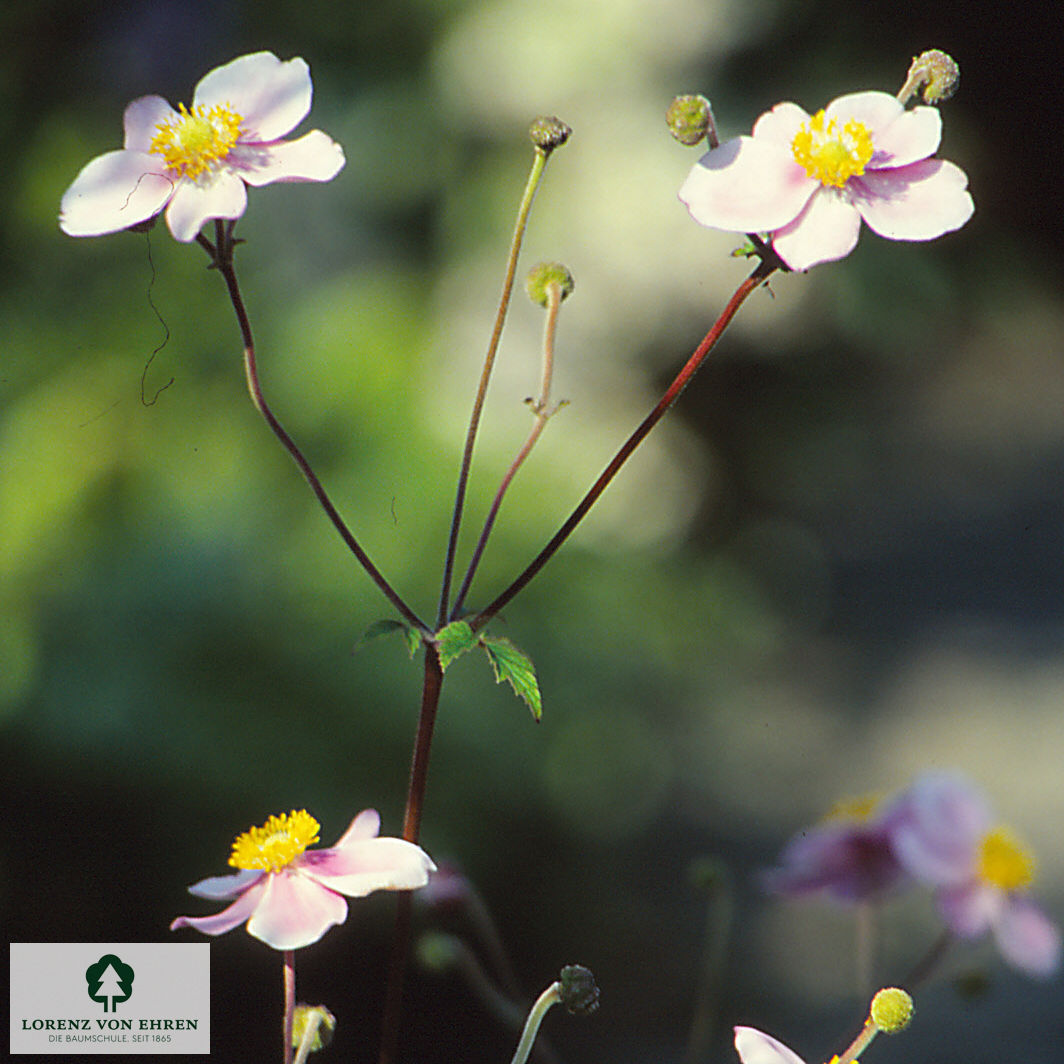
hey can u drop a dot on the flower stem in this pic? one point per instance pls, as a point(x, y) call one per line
point(222, 255)
point(289, 1002)
point(539, 162)
point(543, 413)
point(415, 798)
point(859, 1044)
point(551, 996)
point(764, 269)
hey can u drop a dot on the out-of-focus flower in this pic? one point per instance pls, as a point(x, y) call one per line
point(756, 1047)
point(847, 856)
point(944, 836)
point(290, 896)
point(809, 181)
point(197, 162)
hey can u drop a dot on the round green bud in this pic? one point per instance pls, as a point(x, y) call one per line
point(542, 276)
point(579, 991)
point(891, 1011)
point(301, 1018)
point(548, 132)
point(690, 120)
point(437, 951)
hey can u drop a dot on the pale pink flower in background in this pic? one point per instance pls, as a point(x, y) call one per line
point(290, 896)
point(809, 181)
point(197, 162)
point(847, 856)
point(944, 836)
point(755, 1047)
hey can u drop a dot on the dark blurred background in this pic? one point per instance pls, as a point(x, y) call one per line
point(838, 563)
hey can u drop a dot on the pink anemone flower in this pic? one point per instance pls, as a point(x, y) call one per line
point(848, 856)
point(289, 896)
point(945, 837)
point(196, 163)
point(809, 181)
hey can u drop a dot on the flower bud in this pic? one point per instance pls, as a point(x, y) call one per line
point(548, 132)
point(933, 76)
point(690, 119)
point(579, 993)
point(891, 1011)
point(542, 276)
point(303, 1016)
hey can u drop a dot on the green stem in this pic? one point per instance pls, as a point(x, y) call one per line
point(223, 261)
point(764, 269)
point(539, 162)
point(554, 302)
point(551, 996)
point(289, 1002)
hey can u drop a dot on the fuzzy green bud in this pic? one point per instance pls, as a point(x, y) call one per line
point(690, 120)
point(933, 77)
point(325, 1024)
point(891, 1011)
point(548, 132)
point(579, 992)
point(542, 276)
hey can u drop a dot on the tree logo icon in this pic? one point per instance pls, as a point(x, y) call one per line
point(110, 981)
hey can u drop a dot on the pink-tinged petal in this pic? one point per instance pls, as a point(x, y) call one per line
point(916, 202)
point(970, 910)
point(875, 110)
point(746, 186)
point(367, 825)
point(825, 231)
point(780, 124)
point(113, 192)
point(294, 911)
point(270, 95)
point(1027, 938)
point(363, 866)
point(227, 919)
point(913, 136)
point(142, 119)
point(936, 826)
point(219, 887)
point(313, 157)
point(755, 1047)
point(222, 196)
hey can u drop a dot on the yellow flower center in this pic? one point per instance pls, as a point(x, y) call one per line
point(830, 153)
point(198, 140)
point(859, 808)
point(277, 843)
point(1003, 862)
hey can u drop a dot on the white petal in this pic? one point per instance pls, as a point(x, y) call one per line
point(746, 186)
point(193, 204)
point(913, 136)
point(142, 119)
point(113, 192)
point(825, 231)
point(313, 157)
point(756, 1047)
point(780, 124)
point(271, 96)
point(874, 109)
point(916, 202)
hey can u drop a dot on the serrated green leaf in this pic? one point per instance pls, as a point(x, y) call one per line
point(516, 668)
point(453, 641)
point(411, 636)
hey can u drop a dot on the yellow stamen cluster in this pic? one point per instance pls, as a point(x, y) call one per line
point(830, 153)
point(892, 1010)
point(858, 808)
point(277, 843)
point(1003, 862)
point(197, 140)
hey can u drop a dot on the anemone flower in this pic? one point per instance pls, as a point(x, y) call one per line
point(946, 838)
point(197, 162)
point(809, 181)
point(290, 896)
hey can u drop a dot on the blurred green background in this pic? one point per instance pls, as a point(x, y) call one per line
point(836, 565)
